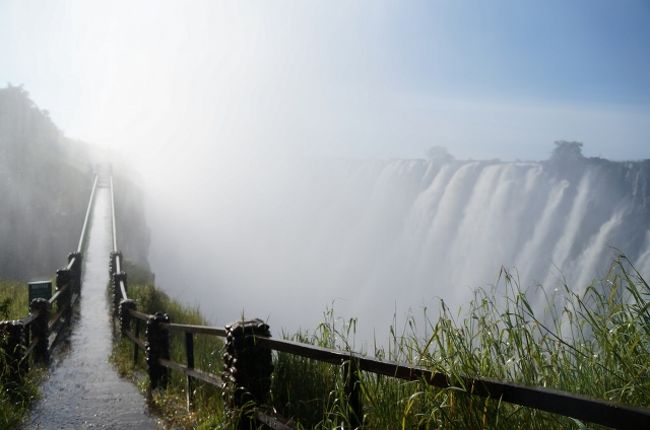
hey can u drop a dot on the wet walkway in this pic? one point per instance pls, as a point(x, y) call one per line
point(83, 390)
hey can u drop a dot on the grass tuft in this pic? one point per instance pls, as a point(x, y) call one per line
point(594, 343)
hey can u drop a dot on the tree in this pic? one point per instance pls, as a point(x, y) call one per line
point(567, 150)
point(439, 153)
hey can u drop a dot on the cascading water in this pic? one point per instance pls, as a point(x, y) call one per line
point(383, 237)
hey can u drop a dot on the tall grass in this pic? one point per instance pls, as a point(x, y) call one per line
point(594, 342)
point(13, 300)
point(15, 399)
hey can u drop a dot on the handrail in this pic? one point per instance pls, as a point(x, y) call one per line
point(118, 259)
point(87, 217)
point(123, 288)
point(135, 340)
point(58, 292)
point(30, 318)
point(139, 315)
point(113, 217)
point(195, 373)
point(555, 401)
point(53, 322)
point(196, 329)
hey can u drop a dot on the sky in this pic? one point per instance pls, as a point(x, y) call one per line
point(161, 80)
point(213, 101)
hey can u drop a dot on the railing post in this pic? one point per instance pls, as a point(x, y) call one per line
point(125, 317)
point(112, 269)
point(353, 392)
point(117, 291)
point(14, 350)
point(189, 355)
point(76, 271)
point(156, 346)
point(40, 329)
point(247, 370)
point(63, 280)
point(112, 265)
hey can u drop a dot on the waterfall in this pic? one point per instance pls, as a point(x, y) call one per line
point(383, 237)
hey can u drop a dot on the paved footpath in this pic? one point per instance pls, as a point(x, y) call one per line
point(83, 390)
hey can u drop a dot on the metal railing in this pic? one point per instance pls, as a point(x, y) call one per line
point(248, 358)
point(37, 334)
point(118, 277)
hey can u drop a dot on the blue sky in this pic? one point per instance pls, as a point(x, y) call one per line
point(584, 51)
point(369, 79)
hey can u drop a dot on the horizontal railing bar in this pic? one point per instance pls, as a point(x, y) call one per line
point(123, 290)
point(135, 340)
point(172, 365)
point(139, 315)
point(87, 217)
point(274, 422)
point(113, 221)
point(206, 377)
point(56, 318)
point(305, 350)
point(56, 321)
point(571, 405)
point(54, 335)
point(58, 292)
point(194, 373)
point(196, 329)
point(584, 408)
point(30, 318)
point(52, 339)
point(118, 264)
point(55, 296)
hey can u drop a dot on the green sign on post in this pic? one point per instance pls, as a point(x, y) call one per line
point(40, 289)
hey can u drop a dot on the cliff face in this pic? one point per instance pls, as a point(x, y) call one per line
point(45, 182)
point(43, 193)
point(455, 223)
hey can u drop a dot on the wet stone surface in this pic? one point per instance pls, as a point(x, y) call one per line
point(83, 390)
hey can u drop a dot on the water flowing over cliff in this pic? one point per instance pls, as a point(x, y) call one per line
point(379, 237)
point(454, 224)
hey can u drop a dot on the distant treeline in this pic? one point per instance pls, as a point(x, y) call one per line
point(45, 181)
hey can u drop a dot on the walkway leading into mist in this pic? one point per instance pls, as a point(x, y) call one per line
point(83, 390)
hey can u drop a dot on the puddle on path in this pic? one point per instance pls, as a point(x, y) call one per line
point(83, 391)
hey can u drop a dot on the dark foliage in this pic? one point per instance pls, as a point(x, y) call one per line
point(44, 183)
